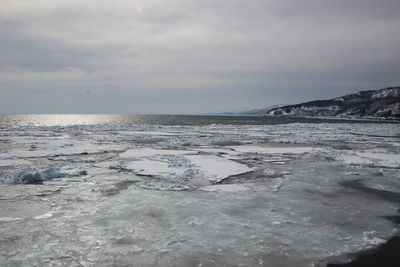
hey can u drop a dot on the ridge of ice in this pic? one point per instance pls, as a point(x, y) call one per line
point(9, 219)
point(272, 150)
point(150, 152)
point(371, 159)
point(60, 149)
point(32, 175)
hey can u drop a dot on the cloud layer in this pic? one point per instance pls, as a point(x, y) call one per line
point(175, 56)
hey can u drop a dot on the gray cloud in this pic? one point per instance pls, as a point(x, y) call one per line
point(191, 56)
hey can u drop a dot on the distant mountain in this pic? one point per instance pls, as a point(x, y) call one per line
point(383, 103)
point(253, 112)
point(258, 112)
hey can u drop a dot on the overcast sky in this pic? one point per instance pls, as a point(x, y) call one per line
point(176, 56)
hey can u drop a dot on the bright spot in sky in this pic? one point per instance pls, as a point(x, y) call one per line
point(139, 9)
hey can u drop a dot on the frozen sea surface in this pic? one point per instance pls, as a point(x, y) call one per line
point(194, 191)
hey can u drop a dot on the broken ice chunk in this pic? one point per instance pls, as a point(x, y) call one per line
point(34, 175)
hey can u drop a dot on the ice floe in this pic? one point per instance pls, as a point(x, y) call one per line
point(210, 167)
point(216, 168)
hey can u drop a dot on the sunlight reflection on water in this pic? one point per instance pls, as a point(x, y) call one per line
point(56, 119)
point(64, 120)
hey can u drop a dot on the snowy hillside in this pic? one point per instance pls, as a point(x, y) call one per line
point(383, 103)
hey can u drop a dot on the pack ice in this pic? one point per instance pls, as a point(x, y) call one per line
point(116, 194)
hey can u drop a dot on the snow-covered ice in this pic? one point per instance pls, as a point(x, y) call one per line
point(210, 167)
point(216, 168)
point(153, 167)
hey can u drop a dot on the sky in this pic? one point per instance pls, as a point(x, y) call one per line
point(188, 57)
